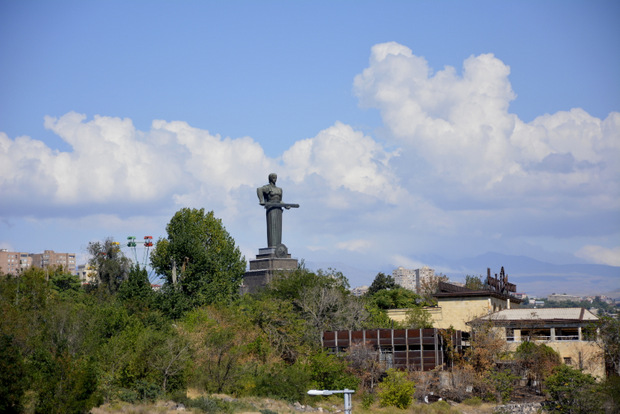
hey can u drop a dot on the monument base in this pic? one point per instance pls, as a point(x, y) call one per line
point(269, 262)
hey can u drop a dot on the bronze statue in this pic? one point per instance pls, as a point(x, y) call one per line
point(270, 196)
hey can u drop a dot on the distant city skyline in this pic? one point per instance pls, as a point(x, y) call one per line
point(411, 133)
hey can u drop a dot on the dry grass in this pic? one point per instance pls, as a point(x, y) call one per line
point(329, 405)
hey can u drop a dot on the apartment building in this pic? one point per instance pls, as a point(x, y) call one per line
point(412, 278)
point(15, 262)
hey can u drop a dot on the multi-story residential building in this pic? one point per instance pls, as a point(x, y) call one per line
point(412, 278)
point(15, 262)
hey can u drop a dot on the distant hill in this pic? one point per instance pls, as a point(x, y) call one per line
point(531, 276)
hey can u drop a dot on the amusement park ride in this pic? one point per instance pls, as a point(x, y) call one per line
point(132, 243)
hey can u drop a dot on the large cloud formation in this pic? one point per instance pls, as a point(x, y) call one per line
point(452, 166)
point(461, 127)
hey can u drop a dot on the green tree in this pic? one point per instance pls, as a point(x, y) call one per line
point(381, 282)
point(13, 381)
point(417, 317)
point(322, 299)
point(397, 298)
point(536, 361)
point(474, 282)
point(110, 263)
point(609, 328)
point(136, 291)
point(199, 258)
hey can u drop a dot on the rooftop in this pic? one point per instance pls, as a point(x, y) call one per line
point(546, 314)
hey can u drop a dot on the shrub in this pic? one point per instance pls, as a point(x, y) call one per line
point(572, 391)
point(368, 400)
point(396, 390)
point(473, 401)
point(502, 381)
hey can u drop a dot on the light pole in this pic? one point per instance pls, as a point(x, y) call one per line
point(348, 405)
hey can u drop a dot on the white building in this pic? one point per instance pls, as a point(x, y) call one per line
point(412, 278)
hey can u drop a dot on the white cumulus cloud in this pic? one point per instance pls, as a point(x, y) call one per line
point(460, 128)
point(600, 254)
point(344, 158)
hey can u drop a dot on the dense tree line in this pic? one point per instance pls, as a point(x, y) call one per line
point(67, 347)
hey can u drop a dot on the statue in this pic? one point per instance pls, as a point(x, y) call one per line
point(270, 196)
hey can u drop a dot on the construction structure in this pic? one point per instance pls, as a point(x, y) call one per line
point(410, 349)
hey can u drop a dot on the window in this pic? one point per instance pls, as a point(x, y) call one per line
point(568, 360)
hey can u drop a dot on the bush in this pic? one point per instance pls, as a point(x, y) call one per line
point(368, 400)
point(572, 391)
point(331, 372)
point(396, 390)
point(473, 401)
point(283, 381)
point(502, 381)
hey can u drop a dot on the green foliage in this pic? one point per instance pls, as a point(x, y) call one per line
point(473, 401)
point(65, 282)
point(474, 282)
point(293, 285)
point(110, 263)
point(136, 291)
point(368, 399)
point(611, 392)
point(502, 381)
point(67, 384)
point(397, 298)
point(202, 256)
point(329, 372)
point(609, 333)
point(377, 317)
point(226, 349)
point(282, 326)
point(381, 282)
point(321, 300)
point(13, 382)
point(536, 361)
point(418, 318)
point(283, 381)
point(396, 390)
point(572, 391)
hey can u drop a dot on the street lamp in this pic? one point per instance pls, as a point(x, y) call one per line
point(348, 406)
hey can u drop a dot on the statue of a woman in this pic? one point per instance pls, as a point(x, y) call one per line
point(270, 196)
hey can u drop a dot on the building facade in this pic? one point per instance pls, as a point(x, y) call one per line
point(412, 278)
point(16, 262)
point(569, 331)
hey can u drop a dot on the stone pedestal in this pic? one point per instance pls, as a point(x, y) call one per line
point(269, 262)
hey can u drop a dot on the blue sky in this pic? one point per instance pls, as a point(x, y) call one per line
point(405, 129)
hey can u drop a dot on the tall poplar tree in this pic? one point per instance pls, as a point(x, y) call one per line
point(199, 258)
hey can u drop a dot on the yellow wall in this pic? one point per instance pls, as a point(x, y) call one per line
point(455, 312)
point(592, 359)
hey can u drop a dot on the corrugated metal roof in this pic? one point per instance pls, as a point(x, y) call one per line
point(542, 314)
